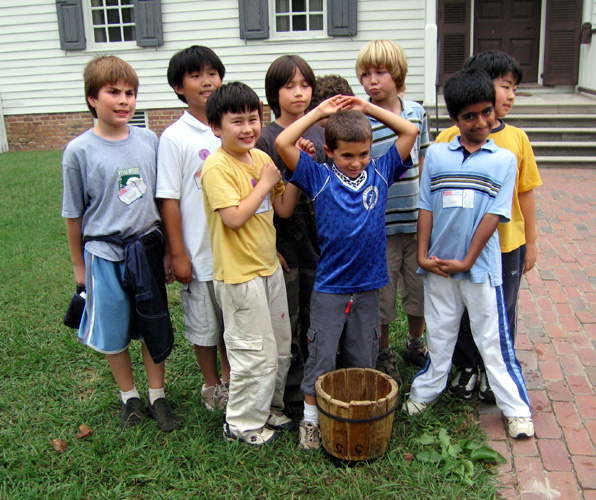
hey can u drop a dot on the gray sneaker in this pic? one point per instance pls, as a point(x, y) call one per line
point(415, 352)
point(215, 398)
point(310, 437)
point(278, 421)
point(387, 363)
point(258, 437)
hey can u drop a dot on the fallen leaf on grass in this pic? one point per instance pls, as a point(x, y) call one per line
point(408, 457)
point(59, 445)
point(84, 431)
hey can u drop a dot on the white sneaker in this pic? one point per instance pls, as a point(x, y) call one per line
point(520, 427)
point(215, 397)
point(310, 437)
point(254, 438)
point(413, 408)
point(278, 421)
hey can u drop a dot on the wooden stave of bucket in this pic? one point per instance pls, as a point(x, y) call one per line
point(365, 431)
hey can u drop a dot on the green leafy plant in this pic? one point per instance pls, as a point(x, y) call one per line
point(457, 459)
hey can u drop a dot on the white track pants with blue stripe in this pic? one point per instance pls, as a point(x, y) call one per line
point(444, 303)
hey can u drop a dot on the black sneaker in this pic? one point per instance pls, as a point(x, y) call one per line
point(132, 413)
point(463, 383)
point(485, 393)
point(165, 417)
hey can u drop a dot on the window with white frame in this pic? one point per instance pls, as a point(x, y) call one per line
point(110, 22)
point(299, 17)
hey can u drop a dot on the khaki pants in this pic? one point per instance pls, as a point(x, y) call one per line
point(258, 338)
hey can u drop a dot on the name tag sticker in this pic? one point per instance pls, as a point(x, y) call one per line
point(265, 205)
point(135, 188)
point(468, 201)
point(452, 199)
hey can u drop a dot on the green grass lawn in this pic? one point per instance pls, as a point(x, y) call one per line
point(50, 384)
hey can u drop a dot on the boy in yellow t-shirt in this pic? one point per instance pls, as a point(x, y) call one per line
point(517, 237)
point(241, 190)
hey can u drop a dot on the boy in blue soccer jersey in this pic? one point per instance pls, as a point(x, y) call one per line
point(465, 191)
point(350, 196)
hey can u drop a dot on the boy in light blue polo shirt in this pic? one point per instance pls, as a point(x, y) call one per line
point(465, 191)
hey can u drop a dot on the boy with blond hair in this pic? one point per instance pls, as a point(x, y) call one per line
point(116, 247)
point(193, 73)
point(381, 67)
point(241, 190)
point(518, 237)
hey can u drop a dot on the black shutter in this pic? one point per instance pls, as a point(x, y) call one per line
point(454, 36)
point(254, 19)
point(148, 23)
point(342, 17)
point(70, 24)
point(562, 40)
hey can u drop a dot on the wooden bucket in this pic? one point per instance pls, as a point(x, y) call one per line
point(356, 407)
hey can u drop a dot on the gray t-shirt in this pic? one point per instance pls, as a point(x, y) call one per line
point(111, 185)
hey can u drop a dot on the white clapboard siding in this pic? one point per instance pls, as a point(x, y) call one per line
point(38, 77)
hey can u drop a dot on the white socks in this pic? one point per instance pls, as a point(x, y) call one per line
point(156, 394)
point(133, 393)
point(311, 413)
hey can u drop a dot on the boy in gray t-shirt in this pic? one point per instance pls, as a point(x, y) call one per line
point(115, 245)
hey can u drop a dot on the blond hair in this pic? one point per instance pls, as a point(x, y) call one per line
point(107, 70)
point(383, 54)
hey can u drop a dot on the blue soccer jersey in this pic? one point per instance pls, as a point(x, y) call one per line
point(460, 191)
point(350, 216)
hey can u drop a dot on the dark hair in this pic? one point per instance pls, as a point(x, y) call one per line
point(107, 70)
point(329, 86)
point(280, 72)
point(467, 87)
point(347, 125)
point(496, 64)
point(194, 58)
point(235, 97)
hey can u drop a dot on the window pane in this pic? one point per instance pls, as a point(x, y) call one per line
point(113, 16)
point(125, 2)
point(316, 22)
point(98, 17)
point(282, 6)
point(112, 3)
point(96, 3)
point(316, 5)
point(128, 16)
point(298, 5)
point(282, 23)
point(100, 35)
point(129, 33)
point(114, 34)
point(299, 23)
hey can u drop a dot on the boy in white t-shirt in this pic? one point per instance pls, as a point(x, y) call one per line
point(193, 73)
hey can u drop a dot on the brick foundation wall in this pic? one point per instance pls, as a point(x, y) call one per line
point(55, 130)
point(50, 131)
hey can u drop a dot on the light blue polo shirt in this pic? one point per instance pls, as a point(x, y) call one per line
point(459, 191)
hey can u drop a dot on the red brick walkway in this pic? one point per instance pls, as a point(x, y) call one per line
point(556, 347)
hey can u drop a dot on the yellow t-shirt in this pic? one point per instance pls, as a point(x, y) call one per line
point(239, 256)
point(512, 234)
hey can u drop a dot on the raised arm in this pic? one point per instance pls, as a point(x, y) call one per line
point(405, 129)
point(286, 140)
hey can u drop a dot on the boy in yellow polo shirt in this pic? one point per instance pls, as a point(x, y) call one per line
point(517, 237)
